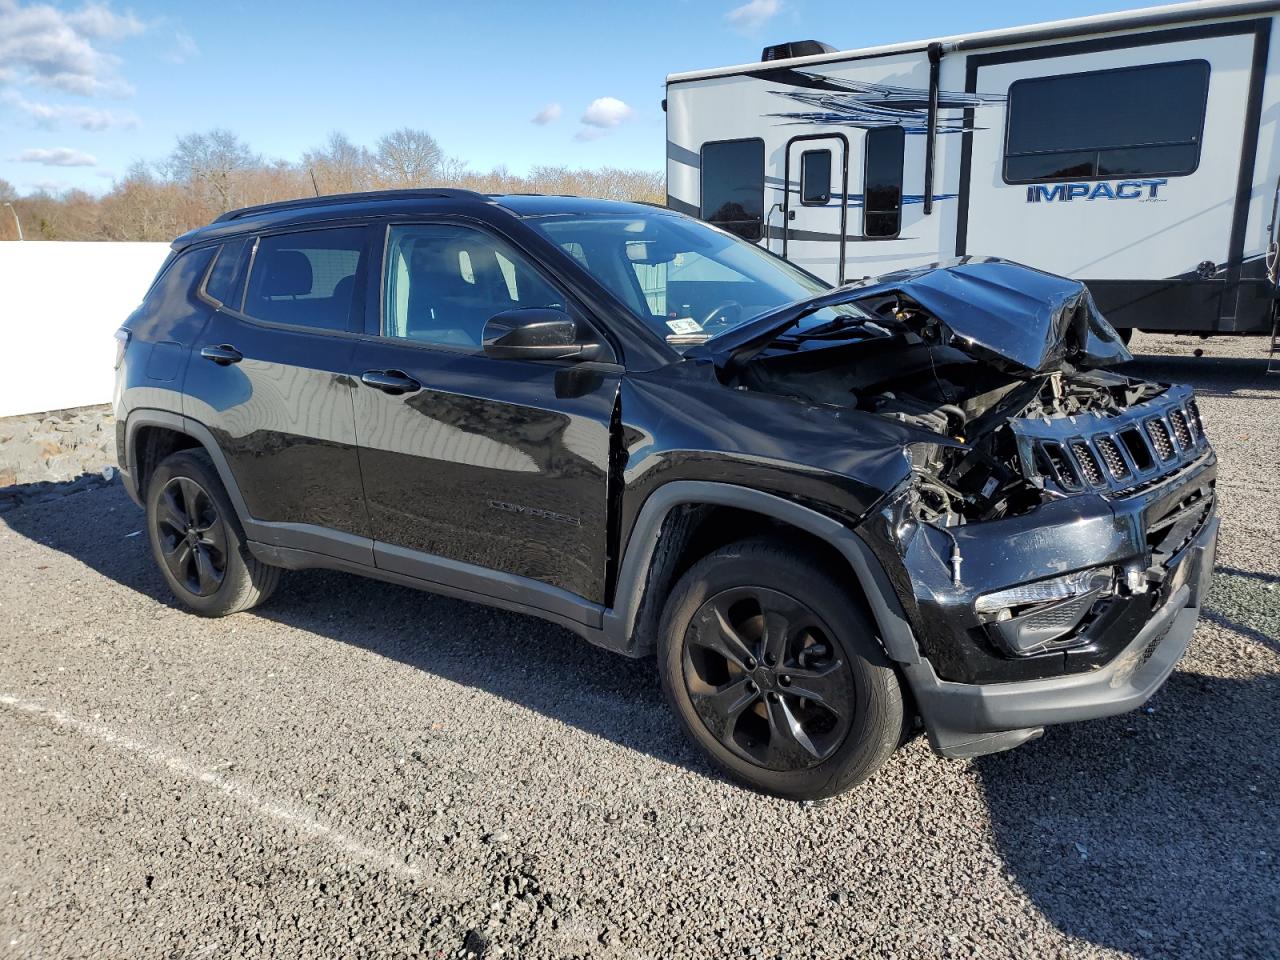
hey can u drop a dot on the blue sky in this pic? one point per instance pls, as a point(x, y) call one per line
point(87, 89)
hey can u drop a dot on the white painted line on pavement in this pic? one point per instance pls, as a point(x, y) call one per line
point(283, 813)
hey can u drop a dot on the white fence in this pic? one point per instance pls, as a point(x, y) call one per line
point(60, 303)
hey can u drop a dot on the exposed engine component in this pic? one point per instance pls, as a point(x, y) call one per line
point(907, 366)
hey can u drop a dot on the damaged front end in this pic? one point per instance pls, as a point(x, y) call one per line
point(1051, 504)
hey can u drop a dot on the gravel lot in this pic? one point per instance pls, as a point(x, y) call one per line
point(360, 769)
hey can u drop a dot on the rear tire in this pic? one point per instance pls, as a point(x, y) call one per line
point(747, 632)
point(197, 540)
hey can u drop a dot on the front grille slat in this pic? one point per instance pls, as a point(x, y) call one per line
point(1059, 466)
point(1158, 433)
point(1180, 429)
point(1193, 414)
point(1111, 456)
point(1089, 467)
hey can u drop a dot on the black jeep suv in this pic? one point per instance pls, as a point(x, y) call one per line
point(835, 514)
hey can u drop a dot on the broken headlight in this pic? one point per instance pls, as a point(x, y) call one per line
point(1036, 617)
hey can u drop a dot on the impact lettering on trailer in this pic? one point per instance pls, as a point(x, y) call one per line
point(1123, 190)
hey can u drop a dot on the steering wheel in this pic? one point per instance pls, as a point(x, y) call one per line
point(719, 315)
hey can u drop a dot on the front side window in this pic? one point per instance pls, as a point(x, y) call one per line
point(733, 186)
point(686, 280)
point(1132, 122)
point(442, 282)
point(882, 203)
point(307, 279)
point(815, 177)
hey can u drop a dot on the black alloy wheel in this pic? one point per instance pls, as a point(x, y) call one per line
point(775, 670)
point(768, 678)
point(192, 536)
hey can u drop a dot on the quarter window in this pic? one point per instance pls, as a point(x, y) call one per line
point(443, 282)
point(882, 202)
point(307, 279)
point(226, 279)
point(1131, 122)
point(815, 177)
point(733, 186)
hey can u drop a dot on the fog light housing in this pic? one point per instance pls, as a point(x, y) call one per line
point(1036, 617)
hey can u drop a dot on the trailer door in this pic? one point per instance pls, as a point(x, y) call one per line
point(1125, 162)
point(816, 208)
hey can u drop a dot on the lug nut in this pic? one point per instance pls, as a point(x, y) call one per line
point(773, 698)
point(770, 659)
point(750, 663)
point(784, 680)
point(751, 687)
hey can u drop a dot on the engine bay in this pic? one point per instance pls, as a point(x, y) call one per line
point(906, 365)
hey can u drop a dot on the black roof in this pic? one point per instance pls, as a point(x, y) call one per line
point(354, 204)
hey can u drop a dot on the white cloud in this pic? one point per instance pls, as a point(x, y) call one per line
point(184, 48)
point(45, 46)
point(606, 112)
point(97, 20)
point(548, 114)
point(58, 157)
point(51, 116)
point(753, 15)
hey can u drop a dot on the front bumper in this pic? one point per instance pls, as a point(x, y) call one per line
point(970, 719)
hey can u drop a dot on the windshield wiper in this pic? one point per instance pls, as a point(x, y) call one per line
point(837, 328)
point(731, 349)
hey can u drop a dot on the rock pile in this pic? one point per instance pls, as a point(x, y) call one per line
point(48, 455)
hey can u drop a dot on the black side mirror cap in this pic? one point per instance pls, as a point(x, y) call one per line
point(536, 333)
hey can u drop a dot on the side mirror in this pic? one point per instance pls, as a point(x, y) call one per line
point(537, 333)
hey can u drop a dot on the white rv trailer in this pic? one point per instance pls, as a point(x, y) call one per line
point(1135, 151)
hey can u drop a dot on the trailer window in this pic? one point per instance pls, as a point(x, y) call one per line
point(1131, 122)
point(882, 204)
point(733, 186)
point(815, 178)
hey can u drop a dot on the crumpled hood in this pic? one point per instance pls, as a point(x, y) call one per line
point(1016, 317)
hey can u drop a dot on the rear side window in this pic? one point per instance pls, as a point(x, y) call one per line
point(308, 279)
point(1132, 122)
point(882, 205)
point(733, 186)
point(226, 279)
point(815, 177)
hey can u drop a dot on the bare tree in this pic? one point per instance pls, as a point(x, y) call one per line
point(407, 158)
point(8, 227)
point(212, 163)
point(340, 166)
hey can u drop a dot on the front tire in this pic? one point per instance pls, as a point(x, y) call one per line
point(776, 673)
point(197, 541)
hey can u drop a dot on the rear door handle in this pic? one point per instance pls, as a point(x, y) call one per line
point(223, 354)
point(394, 382)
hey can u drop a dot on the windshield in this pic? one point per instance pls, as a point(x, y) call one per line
point(687, 280)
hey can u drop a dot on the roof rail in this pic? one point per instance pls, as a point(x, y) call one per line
point(428, 193)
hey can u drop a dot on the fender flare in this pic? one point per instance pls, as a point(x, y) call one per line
point(333, 543)
point(620, 621)
point(147, 417)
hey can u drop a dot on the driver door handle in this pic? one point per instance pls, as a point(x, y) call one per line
point(394, 382)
